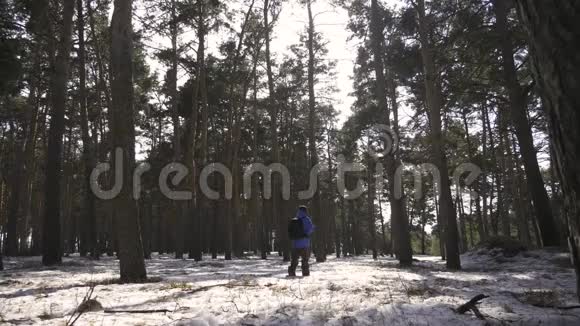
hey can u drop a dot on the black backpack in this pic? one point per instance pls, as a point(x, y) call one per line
point(296, 229)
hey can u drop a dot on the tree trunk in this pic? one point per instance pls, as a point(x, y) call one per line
point(51, 240)
point(319, 245)
point(440, 228)
point(202, 201)
point(504, 176)
point(215, 224)
point(434, 103)
point(423, 234)
point(371, 195)
point(256, 202)
point(471, 226)
point(174, 29)
point(519, 117)
point(399, 218)
point(123, 132)
point(477, 188)
point(462, 227)
point(191, 215)
point(344, 227)
point(104, 146)
point(331, 193)
point(177, 207)
point(40, 28)
point(11, 248)
point(235, 114)
point(383, 230)
point(273, 203)
point(557, 199)
point(22, 172)
point(145, 216)
point(355, 228)
point(88, 233)
point(484, 183)
point(553, 30)
point(519, 201)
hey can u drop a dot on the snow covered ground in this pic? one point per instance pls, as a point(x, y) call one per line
point(346, 291)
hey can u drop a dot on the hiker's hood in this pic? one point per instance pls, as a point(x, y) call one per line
point(301, 214)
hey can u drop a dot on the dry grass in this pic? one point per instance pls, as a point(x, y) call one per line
point(90, 305)
point(507, 308)
point(184, 286)
point(540, 298)
point(48, 313)
point(420, 290)
point(334, 287)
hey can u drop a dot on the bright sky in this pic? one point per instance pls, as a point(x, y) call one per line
point(331, 22)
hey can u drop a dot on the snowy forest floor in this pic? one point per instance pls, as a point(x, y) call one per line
point(345, 291)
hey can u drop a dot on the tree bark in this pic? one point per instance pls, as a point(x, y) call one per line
point(553, 29)
point(14, 210)
point(202, 202)
point(23, 171)
point(319, 245)
point(174, 28)
point(273, 203)
point(123, 132)
point(504, 176)
point(477, 188)
point(256, 202)
point(51, 239)
point(434, 103)
point(519, 117)
point(519, 201)
point(423, 233)
point(399, 218)
point(191, 212)
point(89, 222)
point(371, 195)
point(484, 185)
point(493, 152)
point(461, 217)
point(177, 207)
point(331, 193)
point(383, 229)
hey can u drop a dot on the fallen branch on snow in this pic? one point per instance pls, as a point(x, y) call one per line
point(227, 285)
point(143, 311)
point(568, 307)
point(471, 305)
point(200, 289)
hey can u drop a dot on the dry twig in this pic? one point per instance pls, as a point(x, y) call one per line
point(471, 305)
point(78, 312)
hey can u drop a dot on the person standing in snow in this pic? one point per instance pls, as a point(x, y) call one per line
point(299, 230)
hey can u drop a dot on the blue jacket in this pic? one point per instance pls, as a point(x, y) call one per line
point(308, 229)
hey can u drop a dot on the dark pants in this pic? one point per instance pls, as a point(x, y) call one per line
point(296, 253)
